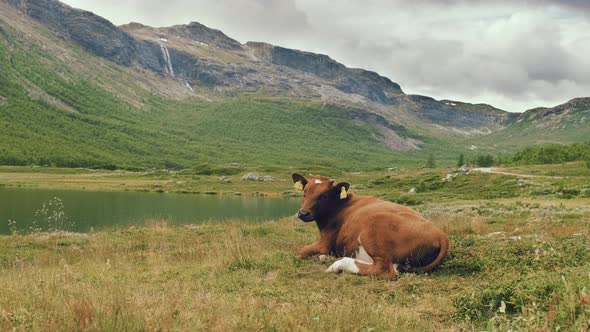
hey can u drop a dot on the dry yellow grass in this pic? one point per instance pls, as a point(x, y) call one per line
point(529, 255)
point(245, 276)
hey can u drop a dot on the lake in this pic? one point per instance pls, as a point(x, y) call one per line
point(81, 211)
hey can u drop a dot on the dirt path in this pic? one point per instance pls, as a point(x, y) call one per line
point(495, 171)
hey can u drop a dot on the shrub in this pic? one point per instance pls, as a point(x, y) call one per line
point(485, 160)
point(408, 200)
point(461, 161)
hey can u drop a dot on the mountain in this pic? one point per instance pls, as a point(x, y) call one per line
point(76, 90)
point(563, 124)
point(257, 66)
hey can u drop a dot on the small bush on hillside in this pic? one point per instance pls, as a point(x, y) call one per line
point(485, 160)
point(553, 154)
point(408, 200)
point(461, 160)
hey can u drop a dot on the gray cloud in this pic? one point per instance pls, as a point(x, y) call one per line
point(512, 54)
point(243, 20)
point(584, 4)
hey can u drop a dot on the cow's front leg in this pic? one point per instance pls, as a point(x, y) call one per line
point(313, 249)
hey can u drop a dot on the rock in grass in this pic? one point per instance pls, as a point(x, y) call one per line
point(256, 177)
point(463, 170)
point(250, 177)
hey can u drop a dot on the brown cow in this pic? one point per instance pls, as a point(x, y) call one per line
point(373, 236)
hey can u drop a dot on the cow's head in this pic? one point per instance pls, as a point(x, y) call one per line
point(321, 197)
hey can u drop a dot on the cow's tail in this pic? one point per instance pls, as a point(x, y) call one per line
point(444, 249)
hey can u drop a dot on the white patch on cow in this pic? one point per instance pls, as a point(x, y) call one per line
point(363, 257)
point(318, 181)
point(345, 264)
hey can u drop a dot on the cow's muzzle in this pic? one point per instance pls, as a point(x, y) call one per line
point(305, 216)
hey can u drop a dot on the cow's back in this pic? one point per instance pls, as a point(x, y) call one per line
point(361, 209)
point(386, 222)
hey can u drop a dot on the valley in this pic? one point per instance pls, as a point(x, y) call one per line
point(140, 97)
point(145, 176)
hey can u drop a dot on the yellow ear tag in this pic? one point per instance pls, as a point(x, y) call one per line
point(298, 185)
point(343, 193)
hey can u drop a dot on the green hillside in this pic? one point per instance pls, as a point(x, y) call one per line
point(564, 124)
point(51, 115)
point(61, 105)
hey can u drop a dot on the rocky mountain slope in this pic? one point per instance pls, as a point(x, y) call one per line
point(64, 58)
point(204, 56)
point(575, 112)
point(276, 70)
point(565, 123)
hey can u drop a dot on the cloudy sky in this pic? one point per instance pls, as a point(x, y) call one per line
point(514, 54)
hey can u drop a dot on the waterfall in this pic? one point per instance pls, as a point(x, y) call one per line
point(169, 62)
point(166, 55)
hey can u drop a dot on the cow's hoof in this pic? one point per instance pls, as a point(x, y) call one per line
point(324, 258)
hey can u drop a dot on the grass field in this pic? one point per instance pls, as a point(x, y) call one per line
point(236, 276)
point(519, 261)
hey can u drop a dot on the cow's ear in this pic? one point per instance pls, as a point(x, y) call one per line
point(299, 181)
point(342, 189)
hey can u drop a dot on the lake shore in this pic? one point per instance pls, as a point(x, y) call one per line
point(394, 185)
point(240, 276)
point(156, 181)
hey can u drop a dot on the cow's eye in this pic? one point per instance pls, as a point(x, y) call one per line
point(324, 197)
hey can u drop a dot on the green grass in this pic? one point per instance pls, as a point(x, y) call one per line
point(518, 261)
point(246, 131)
point(562, 181)
point(240, 276)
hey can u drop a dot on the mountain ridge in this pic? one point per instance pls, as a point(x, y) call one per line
point(137, 68)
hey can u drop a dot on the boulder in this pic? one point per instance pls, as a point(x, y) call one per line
point(265, 178)
point(250, 177)
point(463, 170)
point(256, 177)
